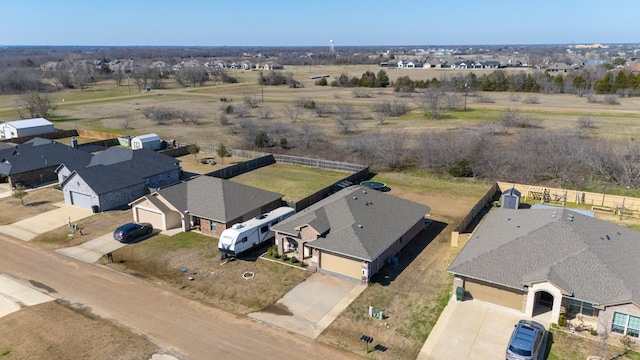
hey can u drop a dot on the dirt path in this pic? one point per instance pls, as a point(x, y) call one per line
point(186, 327)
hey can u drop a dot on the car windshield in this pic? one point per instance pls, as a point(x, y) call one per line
point(518, 351)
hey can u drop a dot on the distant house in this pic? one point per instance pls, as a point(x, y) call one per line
point(34, 162)
point(490, 64)
point(460, 65)
point(115, 177)
point(555, 261)
point(352, 233)
point(27, 127)
point(147, 141)
point(205, 203)
point(559, 67)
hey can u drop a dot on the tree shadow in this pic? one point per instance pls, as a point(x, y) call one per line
point(38, 203)
point(388, 273)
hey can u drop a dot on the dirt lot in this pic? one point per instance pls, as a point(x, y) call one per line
point(36, 202)
point(62, 331)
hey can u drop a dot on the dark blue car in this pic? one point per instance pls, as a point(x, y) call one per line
point(130, 232)
point(527, 341)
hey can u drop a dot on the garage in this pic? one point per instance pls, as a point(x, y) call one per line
point(341, 265)
point(494, 294)
point(146, 215)
point(82, 200)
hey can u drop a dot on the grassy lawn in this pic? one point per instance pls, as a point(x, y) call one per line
point(296, 182)
point(161, 259)
point(36, 202)
point(567, 346)
point(92, 227)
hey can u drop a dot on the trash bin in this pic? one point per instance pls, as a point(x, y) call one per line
point(459, 293)
point(95, 209)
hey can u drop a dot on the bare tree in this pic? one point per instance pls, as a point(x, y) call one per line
point(20, 192)
point(251, 101)
point(292, 112)
point(188, 116)
point(307, 135)
point(37, 105)
point(344, 119)
point(432, 102)
point(126, 124)
point(392, 147)
point(322, 110)
point(263, 112)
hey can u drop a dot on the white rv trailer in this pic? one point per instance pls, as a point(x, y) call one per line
point(244, 236)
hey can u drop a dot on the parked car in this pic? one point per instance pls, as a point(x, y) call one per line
point(131, 231)
point(527, 341)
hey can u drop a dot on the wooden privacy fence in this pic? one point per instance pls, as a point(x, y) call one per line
point(597, 201)
point(475, 210)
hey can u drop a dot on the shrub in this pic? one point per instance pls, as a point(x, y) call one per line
point(284, 257)
point(593, 331)
point(321, 82)
point(562, 320)
point(294, 260)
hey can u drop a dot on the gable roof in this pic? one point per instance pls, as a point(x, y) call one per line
point(39, 153)
point(29, 123)
point(592, 259)
point(116, 168)
point(356, 222)
point(216, 199)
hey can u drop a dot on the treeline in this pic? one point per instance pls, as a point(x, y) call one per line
point(582, 82)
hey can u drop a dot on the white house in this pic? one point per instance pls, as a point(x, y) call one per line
point(27, 127)
point(147, 141)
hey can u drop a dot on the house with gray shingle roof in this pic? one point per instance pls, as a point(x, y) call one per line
point(555, 261)
point(115, 177)
point(205, 203)
point(34, 162)
point(351, 233)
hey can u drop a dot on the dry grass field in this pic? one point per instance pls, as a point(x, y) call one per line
point(35, 202)
point(413, 294)
point(56, 330)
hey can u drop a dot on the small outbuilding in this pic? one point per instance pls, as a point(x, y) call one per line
point(511, 199)
point(148, 141)
point(26, 127)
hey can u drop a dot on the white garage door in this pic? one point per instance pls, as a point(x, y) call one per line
point(151, 217)
point(82, 200)
point(341, 265)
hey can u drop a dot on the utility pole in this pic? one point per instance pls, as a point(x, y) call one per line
point(466, 88)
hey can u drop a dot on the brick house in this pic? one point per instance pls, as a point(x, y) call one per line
point(351, 233)
point(115, 177)
point(204, 203)
point(548, 262)
point(34, 162)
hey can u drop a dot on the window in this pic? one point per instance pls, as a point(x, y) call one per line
point(214, 225)
point(264, 229)
point(626, 324)
point(581, 307)
point(244, 239)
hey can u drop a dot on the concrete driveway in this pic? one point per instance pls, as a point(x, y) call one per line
point(92, 250)
point(14, 295)
point(312, 305)
point(472, 329)
point(5, 190)
point(29, 228)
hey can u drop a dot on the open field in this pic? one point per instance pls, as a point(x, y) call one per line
point(104, 107)
point(54, 330)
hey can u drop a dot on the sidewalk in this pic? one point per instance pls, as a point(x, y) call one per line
point(29, 228)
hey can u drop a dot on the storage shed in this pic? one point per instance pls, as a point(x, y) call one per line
point(511, 199)
point(27, 127)
point(148, 141)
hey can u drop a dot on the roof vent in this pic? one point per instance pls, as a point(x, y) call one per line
point(364, 191)
point(355, 197)
point(360, 226)
point(608, 238)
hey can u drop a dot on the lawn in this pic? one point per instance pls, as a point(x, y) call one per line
point(59, 330)
point(35, 202)
point(567, 346)
point(161, 259)
point(295, 182)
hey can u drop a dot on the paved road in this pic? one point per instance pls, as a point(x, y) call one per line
point(189, 328)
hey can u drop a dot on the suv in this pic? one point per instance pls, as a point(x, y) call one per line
point(129, 232)
point(527, 341)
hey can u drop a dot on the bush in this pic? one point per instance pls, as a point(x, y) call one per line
point(593, 331)
point(562, 320)
point(321, 82)
point(294, 260)
point(284, 257)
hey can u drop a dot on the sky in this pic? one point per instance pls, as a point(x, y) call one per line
point(315, 22)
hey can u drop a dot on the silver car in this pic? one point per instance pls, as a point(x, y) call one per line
point(527, 341)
